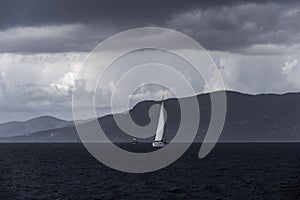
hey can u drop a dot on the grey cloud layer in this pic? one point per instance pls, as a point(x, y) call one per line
point(34, 83)
point(37, 13)
point(58, 26)
point(240, 26)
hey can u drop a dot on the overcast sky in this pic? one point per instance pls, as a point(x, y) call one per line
point(255, 44)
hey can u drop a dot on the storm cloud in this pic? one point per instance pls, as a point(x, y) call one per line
point(62, 26)
point(255, 44)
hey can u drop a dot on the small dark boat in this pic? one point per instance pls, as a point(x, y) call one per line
point(134, 141)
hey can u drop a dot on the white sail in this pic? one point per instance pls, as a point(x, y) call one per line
point(161, 124)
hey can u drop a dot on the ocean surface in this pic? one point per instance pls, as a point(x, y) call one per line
point(230, 171)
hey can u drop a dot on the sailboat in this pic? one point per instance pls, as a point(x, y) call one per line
point(159, 141)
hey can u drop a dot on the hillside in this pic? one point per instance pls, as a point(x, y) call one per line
point(250, 118)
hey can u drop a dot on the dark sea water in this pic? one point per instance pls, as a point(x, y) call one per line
point(230, 171)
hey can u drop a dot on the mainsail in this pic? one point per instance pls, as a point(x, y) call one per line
point(161, 123)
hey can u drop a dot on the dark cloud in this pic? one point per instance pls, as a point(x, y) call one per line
point(232, 28)
point(37, 83)
point(135, 12)
point(78, 25)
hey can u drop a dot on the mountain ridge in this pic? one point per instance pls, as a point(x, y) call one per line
point(42, 123)
point(250, 118)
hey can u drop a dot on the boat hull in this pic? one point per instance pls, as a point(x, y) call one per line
point(159, 144)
